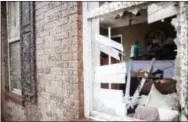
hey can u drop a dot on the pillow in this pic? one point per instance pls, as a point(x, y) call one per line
point(158, 100)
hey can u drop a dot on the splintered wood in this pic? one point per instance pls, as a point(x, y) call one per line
point(109, 46)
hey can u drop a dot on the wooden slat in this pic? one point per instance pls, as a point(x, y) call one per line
point(127, 90)
point(108, 42)
point(114, 73)
point(115, 78)
point(110, 51)
point(111, 69)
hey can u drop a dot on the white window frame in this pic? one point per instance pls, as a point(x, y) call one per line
point(12, 40)
point(88, 17)
point(90, 53)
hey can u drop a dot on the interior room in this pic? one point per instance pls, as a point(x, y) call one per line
point(131, 28)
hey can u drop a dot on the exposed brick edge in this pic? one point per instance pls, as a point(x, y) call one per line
point(80, 60)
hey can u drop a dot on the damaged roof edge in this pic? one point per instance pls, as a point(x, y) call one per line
point(112, 7)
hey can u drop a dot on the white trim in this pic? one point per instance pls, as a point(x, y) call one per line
point(88, 55)
point(86, 66)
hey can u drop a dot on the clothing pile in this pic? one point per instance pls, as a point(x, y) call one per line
point(157, 106)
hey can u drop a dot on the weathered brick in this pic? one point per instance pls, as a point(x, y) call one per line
point(57, 46)
point(57, 60)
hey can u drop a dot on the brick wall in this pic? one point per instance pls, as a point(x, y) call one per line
point(58, 45)
point(59, 65)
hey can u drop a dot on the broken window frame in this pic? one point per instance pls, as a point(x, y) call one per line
point(88, 17)
point(11, 40)
point(89, 26)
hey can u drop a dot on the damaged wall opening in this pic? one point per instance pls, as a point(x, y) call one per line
point(136, 72)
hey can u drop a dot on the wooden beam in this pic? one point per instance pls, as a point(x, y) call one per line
point(128, 82)
point(108, 42)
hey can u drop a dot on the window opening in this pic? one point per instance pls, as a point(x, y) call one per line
point(13, 32)
point(155, 42)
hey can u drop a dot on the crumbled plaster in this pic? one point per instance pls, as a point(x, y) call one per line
point(181, 71)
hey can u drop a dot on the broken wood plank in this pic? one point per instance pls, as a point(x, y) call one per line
point(116, 78)
point(161, 10)
point(114, 73)
point(108, 42)
point(117, 68)
point(128, 82)
point(110, 51)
